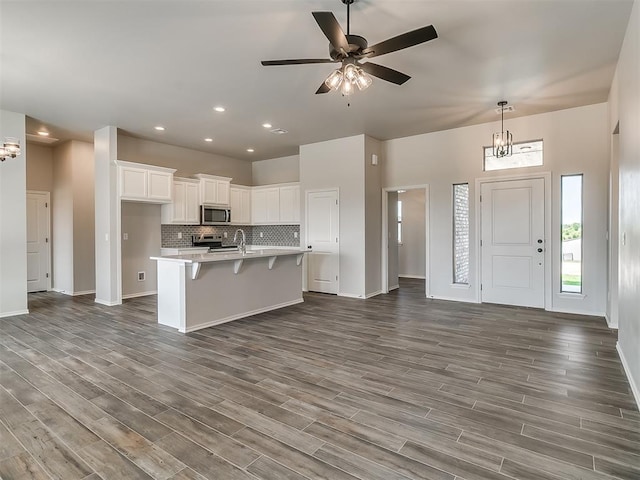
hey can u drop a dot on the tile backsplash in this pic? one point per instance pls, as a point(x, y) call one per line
point(276, 235)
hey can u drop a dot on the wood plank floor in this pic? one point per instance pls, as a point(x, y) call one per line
point(394, 387)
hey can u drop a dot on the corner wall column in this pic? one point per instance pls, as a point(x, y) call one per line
point(107, 214)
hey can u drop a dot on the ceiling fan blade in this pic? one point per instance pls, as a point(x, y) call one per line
point(323, 89)
point(385, 73)
point(299, 61)
point(400, 42)
point(332, 30)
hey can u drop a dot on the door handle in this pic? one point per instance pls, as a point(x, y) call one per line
point(539, 240)
point(539, 250)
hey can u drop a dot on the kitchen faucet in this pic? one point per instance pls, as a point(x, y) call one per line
point(242, 246)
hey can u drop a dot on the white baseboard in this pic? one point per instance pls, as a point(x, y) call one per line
point(72, 294)
point(14, 313)
point(576, 312)
point(394, 287)
point(610, 324)
point(141, 294)
point(350, 295)
point(107, 303)
point(242, 315)
point(379, 292)
point(453, 299)
point(632, 383)
point(86, 292)
point(406, 275)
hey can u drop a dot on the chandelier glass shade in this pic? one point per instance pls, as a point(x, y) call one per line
point(9, 149)
point(503, 140)
point(347, 78)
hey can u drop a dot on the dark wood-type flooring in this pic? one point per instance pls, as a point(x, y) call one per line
point(394, 387)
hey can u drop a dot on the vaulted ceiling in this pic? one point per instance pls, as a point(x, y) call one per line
point(76, 66)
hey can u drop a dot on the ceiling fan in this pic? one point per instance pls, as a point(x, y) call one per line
point(351, 49)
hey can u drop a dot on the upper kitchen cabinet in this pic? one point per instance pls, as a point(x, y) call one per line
point(290, 204)
point(240, 201)
point(144, 183)
point(275, 204)
point(185, 208)
point(214, 190)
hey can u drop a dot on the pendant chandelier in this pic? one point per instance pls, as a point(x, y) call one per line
point(502, 140)
point(9, 149)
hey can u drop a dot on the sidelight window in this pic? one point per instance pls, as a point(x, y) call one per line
point(571, 227)
point(461, 233)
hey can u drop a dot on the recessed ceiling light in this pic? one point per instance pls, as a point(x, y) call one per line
point(159, 128)
point(250, 150)
point(267, 125)
point(219, 109)
point(43, 133)
point(208, 139)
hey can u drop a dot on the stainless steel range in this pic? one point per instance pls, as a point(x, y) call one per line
point(214, 242)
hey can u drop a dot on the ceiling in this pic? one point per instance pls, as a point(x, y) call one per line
point(76, 66)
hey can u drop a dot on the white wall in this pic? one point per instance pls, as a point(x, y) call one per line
point(62, 225)
point(373, 216)
point(188, 162)
point(13, 220)
point(141, 224)
point(392, 241)
point(411, 254)
point(627, 105)
point(575, 141)
point(39, 168)
point(339, 164)
point(276, 170)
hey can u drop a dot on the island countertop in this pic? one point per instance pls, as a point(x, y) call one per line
point(230, 255)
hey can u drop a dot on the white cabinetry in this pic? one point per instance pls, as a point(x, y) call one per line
point(185, 208)
point(240, 201)
point(265, 205)
point(214, 190)
point(144, 183)
point(290, 204)
point(279, 204)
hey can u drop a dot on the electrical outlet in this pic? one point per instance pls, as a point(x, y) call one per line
point(295, 234)
point(125, 236)
point(179, 235)
point(225, 234)
point(261, 235)
point(141, 276)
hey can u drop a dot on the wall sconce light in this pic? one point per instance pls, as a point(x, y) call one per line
point(9, 149)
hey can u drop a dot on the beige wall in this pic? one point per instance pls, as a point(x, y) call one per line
point(188, 162)
point(575, 141)
point(73, 228)
point(627, 107)
point(276, 170)
point(141, 224)
point(411, 254)
point(39, 168)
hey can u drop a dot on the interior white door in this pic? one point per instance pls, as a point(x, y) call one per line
point(323, 264)
point(37, 241)
point(512, 242)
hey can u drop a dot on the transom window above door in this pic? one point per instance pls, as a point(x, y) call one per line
point(525, 154)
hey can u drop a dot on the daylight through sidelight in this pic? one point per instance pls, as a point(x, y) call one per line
point(571, 226)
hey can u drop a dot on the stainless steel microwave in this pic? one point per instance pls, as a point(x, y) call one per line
point(210, 215)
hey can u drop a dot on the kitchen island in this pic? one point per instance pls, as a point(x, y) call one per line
point(200, 290)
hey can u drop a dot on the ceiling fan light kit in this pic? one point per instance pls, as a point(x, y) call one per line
point(502, 140)
point(351, 49)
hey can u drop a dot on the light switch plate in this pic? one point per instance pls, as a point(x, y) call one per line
point(179, 235)
point(125, 236)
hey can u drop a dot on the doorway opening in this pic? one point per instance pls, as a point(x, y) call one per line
point(405, 238)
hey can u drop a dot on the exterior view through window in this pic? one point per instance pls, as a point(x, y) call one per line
point(571, 270)
point(461, 233)
point(525, 154)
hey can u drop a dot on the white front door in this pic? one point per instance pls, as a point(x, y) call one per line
point(323, 264)
point(37, 241)
point(512, 242)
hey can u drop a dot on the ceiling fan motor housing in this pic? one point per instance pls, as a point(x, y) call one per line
point(356, 45)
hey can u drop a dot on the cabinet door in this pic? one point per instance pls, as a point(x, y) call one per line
point(222, 192)
point(133, 182)
point(208, 191)
point(192, 203)
point(159, 185)
point(235, 202)
point(246, 207)
point(273, 205)
point(259, 206)
point(290, 204)
point(179, 204)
